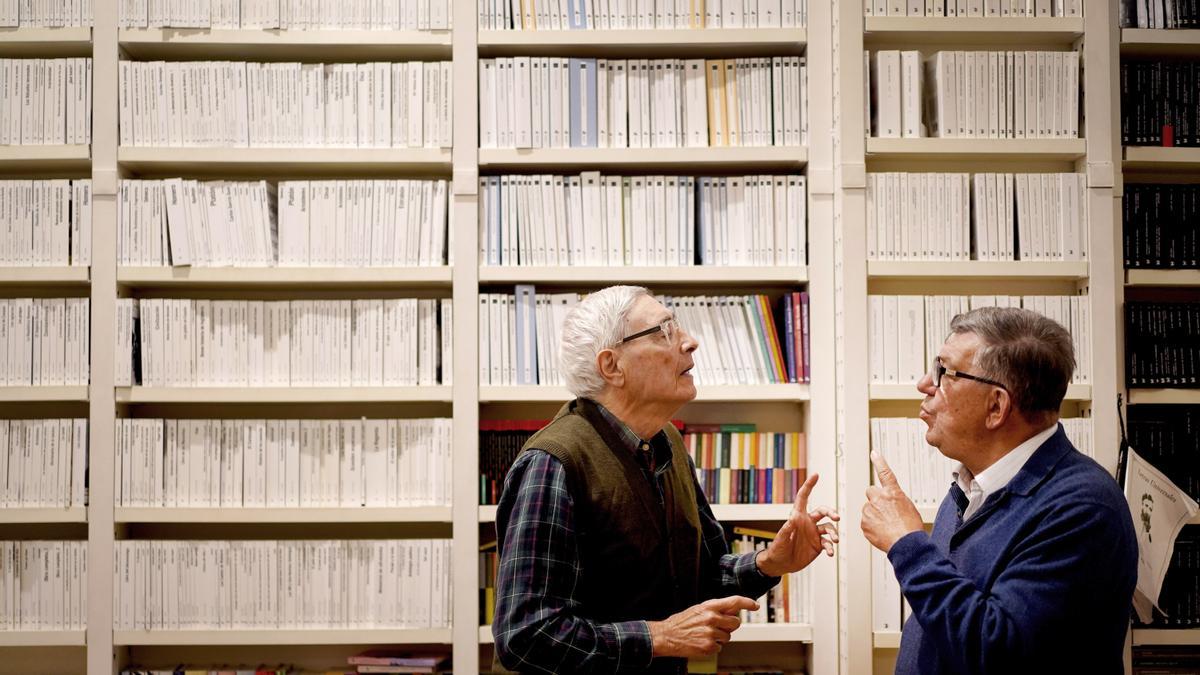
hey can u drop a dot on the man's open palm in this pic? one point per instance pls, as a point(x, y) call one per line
point(803, 536)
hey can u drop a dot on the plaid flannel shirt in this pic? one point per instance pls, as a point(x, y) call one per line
point(538, 622)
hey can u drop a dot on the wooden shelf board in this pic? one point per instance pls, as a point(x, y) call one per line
point(44, 276)
point(250, 44)
point(653, 42)
point(678, 159)
point(43, 638)
point(206, 395)
point(38, 394)
point(748, 632)
point(542, 393)
point(1150, 158)
point(332, 636)
point(1162, 278)
point(22, 515)
point(414, 514)
point(305, 277)
point(977, 269)
point(1014, 31)
point(1144, 41)
point(698, 274)
point(1174, 396)
point(886, 640)
point(908, 392)
point(976, 148)
point(256, 162)
point(45, 42)
point(25, 159)
point(1166, 636)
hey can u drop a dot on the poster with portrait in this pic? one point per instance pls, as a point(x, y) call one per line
point(1160, 510)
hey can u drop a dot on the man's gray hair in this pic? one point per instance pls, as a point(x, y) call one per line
point(597, 323)
point(1031, 355)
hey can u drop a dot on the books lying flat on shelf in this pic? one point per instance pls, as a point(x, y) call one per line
point(43, 463)
point(992, 9)
point(298, 343)
point(1158, 14)
point(1162, 348)
point(287, 14)
point(58, 14)
point(640, 14)
point(262, 105)
point(335, 223)
point(1158, 105)
point(44, 341)
point(43, 585)
point(46, 223)
point(548, 102)
point(519, 337)
point(735, 464)
point(905, 332)
point(231, 584)
point(595, 219)
point(46, 101)
point(788, 602)
point(1161, 224)
point(985, 216)
point(282, 463)
point(956, 94)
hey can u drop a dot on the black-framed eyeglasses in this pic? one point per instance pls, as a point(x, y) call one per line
point(668, 328)
point(937, 370)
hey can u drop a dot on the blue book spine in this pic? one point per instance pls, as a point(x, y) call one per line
point(588, 77)
point(575, 67)
point(789, 328)
point(577, 14)
point(526, 334)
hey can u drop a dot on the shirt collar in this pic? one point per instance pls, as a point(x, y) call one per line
point(632, 442)
point(998, 475)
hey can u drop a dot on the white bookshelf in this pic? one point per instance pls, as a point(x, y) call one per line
point(886, 639)
point(44, 159)
point(44, 276)
point(690, 160)
point(977, 148)
point(977, 269)
point(726, 393)
point(1014, 32)
point(284, 161)
point(320, 636)
point(215, 395)
point(371, 514)
point(1175, 396)
point(645, 42)
point(1148, 158)
point(1139, 41)
point(43, 394)
point(1166, 637)
point(289, 277)
point(723, 512)
point(43, 638)
point(1168, 278)
point(908, 392)
point(253, 44)
point(700, 275)
point(42, 515)
point(30, 42)
point(747, 632)
point(928, 514)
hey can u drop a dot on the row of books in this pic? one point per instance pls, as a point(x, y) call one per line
point(1162, 344)
point(46, 101)
point(905, 332)
point(992, 9)
point(1161, 226)
point(240, 104)
point(45, 13)
point(286, 14)
point(43, 463)
point(335, 223)
point(595, 219)
point(46, 223)
point(282, 463)
point(43, 585)
point(1168, 436)
point(958, 94)
point(736, 464)
point(299, 343)
point(1159, 101)
point(1165, 660)
point(641, 14)
point(519, 336)
point(548, 102)
point(1158, 14)
point(499, 443)
point(229, 584)
point(44, 341)
point(788, 602)
point(985, 216)
point(1179, 601)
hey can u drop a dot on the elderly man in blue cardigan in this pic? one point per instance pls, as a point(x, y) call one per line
point(1032, 560)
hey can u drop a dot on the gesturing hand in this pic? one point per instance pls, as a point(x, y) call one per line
point(888, 514)
point(802, 537)
point(699, 630)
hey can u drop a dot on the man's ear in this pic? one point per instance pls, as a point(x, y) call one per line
point(609, 367)
point(1000, 408)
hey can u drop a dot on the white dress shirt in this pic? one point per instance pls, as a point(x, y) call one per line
point(979, 488)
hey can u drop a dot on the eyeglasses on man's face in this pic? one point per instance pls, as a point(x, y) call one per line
point(669, 329)
point(937, 370)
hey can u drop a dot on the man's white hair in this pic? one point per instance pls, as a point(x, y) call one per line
point(597, 323)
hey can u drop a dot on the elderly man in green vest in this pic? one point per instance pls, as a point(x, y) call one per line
point(610, 558)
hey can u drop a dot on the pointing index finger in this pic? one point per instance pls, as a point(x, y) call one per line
point(886, 477)
point(801, 504)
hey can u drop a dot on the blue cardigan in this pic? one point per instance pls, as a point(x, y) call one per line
point(1040, 579)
